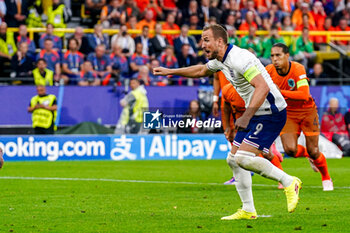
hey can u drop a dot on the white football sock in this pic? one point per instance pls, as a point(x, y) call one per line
point(243, 181)
point(265, 168)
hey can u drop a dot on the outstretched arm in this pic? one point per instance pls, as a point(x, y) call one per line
point(196, 71)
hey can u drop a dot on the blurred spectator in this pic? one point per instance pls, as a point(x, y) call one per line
point(252, 42)
point(2, 16)
point(266, 25)
point(134, 104)
point(23, 37)
point(317, 75)
point(168, 6)
point(232, 37)
point(51, 57)
point(327, 26)
point(101, 63)
point(303, 49)
point(214, 10)
point(268, 43)
point(22, 63)
point(58, 15)
point(137, 60)
point(144, 40)
point(288, 26)
point(88, 77)
point(16, 12)
point(184, 38)
point(343, 13)
point(319, 14)
point(130, 9)
point(274, 14)
point(42, 75)
point(170, 25)
point(148, 20)
point(143, 75)
point(131, 24)
point(120, 65)
point(347, 121)
point(34, 16)
point(248, 22)
point(194, 25)
point(185, 58)
point(234, 11)
point(230, 22)
point(343, 26)
point(192, 9)
point(72, 62)
point(94, 7)
point(333, 121)
point(57, 42)
point(254, 15)
point(84, 46)
point(154, 7)
point(306, 24)
point(43, 107)
point(204, 7)
point(297, 17)
point(158, 42)
point(7, 45)
point(192, 113)
point(98, 37)
point(112, 15)
point(155, 79)
point(168, 59)
point(124, 40)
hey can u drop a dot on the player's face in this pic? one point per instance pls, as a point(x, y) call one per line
point(279, 58)
point(209, 44)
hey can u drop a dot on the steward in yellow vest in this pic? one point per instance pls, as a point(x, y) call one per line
point(7, 42)
point(43, 108)
point(42, 75)
point(134, 103)
point(58, 15)
point(34, 17)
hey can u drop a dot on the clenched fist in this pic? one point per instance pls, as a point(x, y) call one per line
point(161, 71)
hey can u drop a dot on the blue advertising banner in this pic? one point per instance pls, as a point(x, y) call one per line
point(115, 147)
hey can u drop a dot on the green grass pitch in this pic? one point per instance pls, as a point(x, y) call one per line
point(182, 196)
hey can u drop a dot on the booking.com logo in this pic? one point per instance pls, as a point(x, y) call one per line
point(152, 120)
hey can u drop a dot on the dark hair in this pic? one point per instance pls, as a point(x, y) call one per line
point(48, 39)
point(284, 47)
point(41, 59)
point(274, 27)
point(218, 31)
point(305, 15)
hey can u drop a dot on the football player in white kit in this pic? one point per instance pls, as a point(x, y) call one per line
point(260, 124)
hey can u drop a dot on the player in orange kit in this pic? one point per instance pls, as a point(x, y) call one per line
point(302, 115)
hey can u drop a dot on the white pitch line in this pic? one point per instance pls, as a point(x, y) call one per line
point(137, 181)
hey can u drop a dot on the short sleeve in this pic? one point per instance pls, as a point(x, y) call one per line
point(213, 65)
point(300, 76)
point(246, 65)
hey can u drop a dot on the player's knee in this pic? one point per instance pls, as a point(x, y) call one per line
point(313, 152)
point(290, 151)
point(244, 159)
point(230, 159)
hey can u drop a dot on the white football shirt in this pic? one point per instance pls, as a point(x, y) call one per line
point(239, 67)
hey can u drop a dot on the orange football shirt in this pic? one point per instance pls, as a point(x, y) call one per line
point(294, 80)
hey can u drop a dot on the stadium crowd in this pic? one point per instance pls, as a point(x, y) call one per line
point(100, 59)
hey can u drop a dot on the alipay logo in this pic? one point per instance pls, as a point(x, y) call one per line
point(152, 120)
